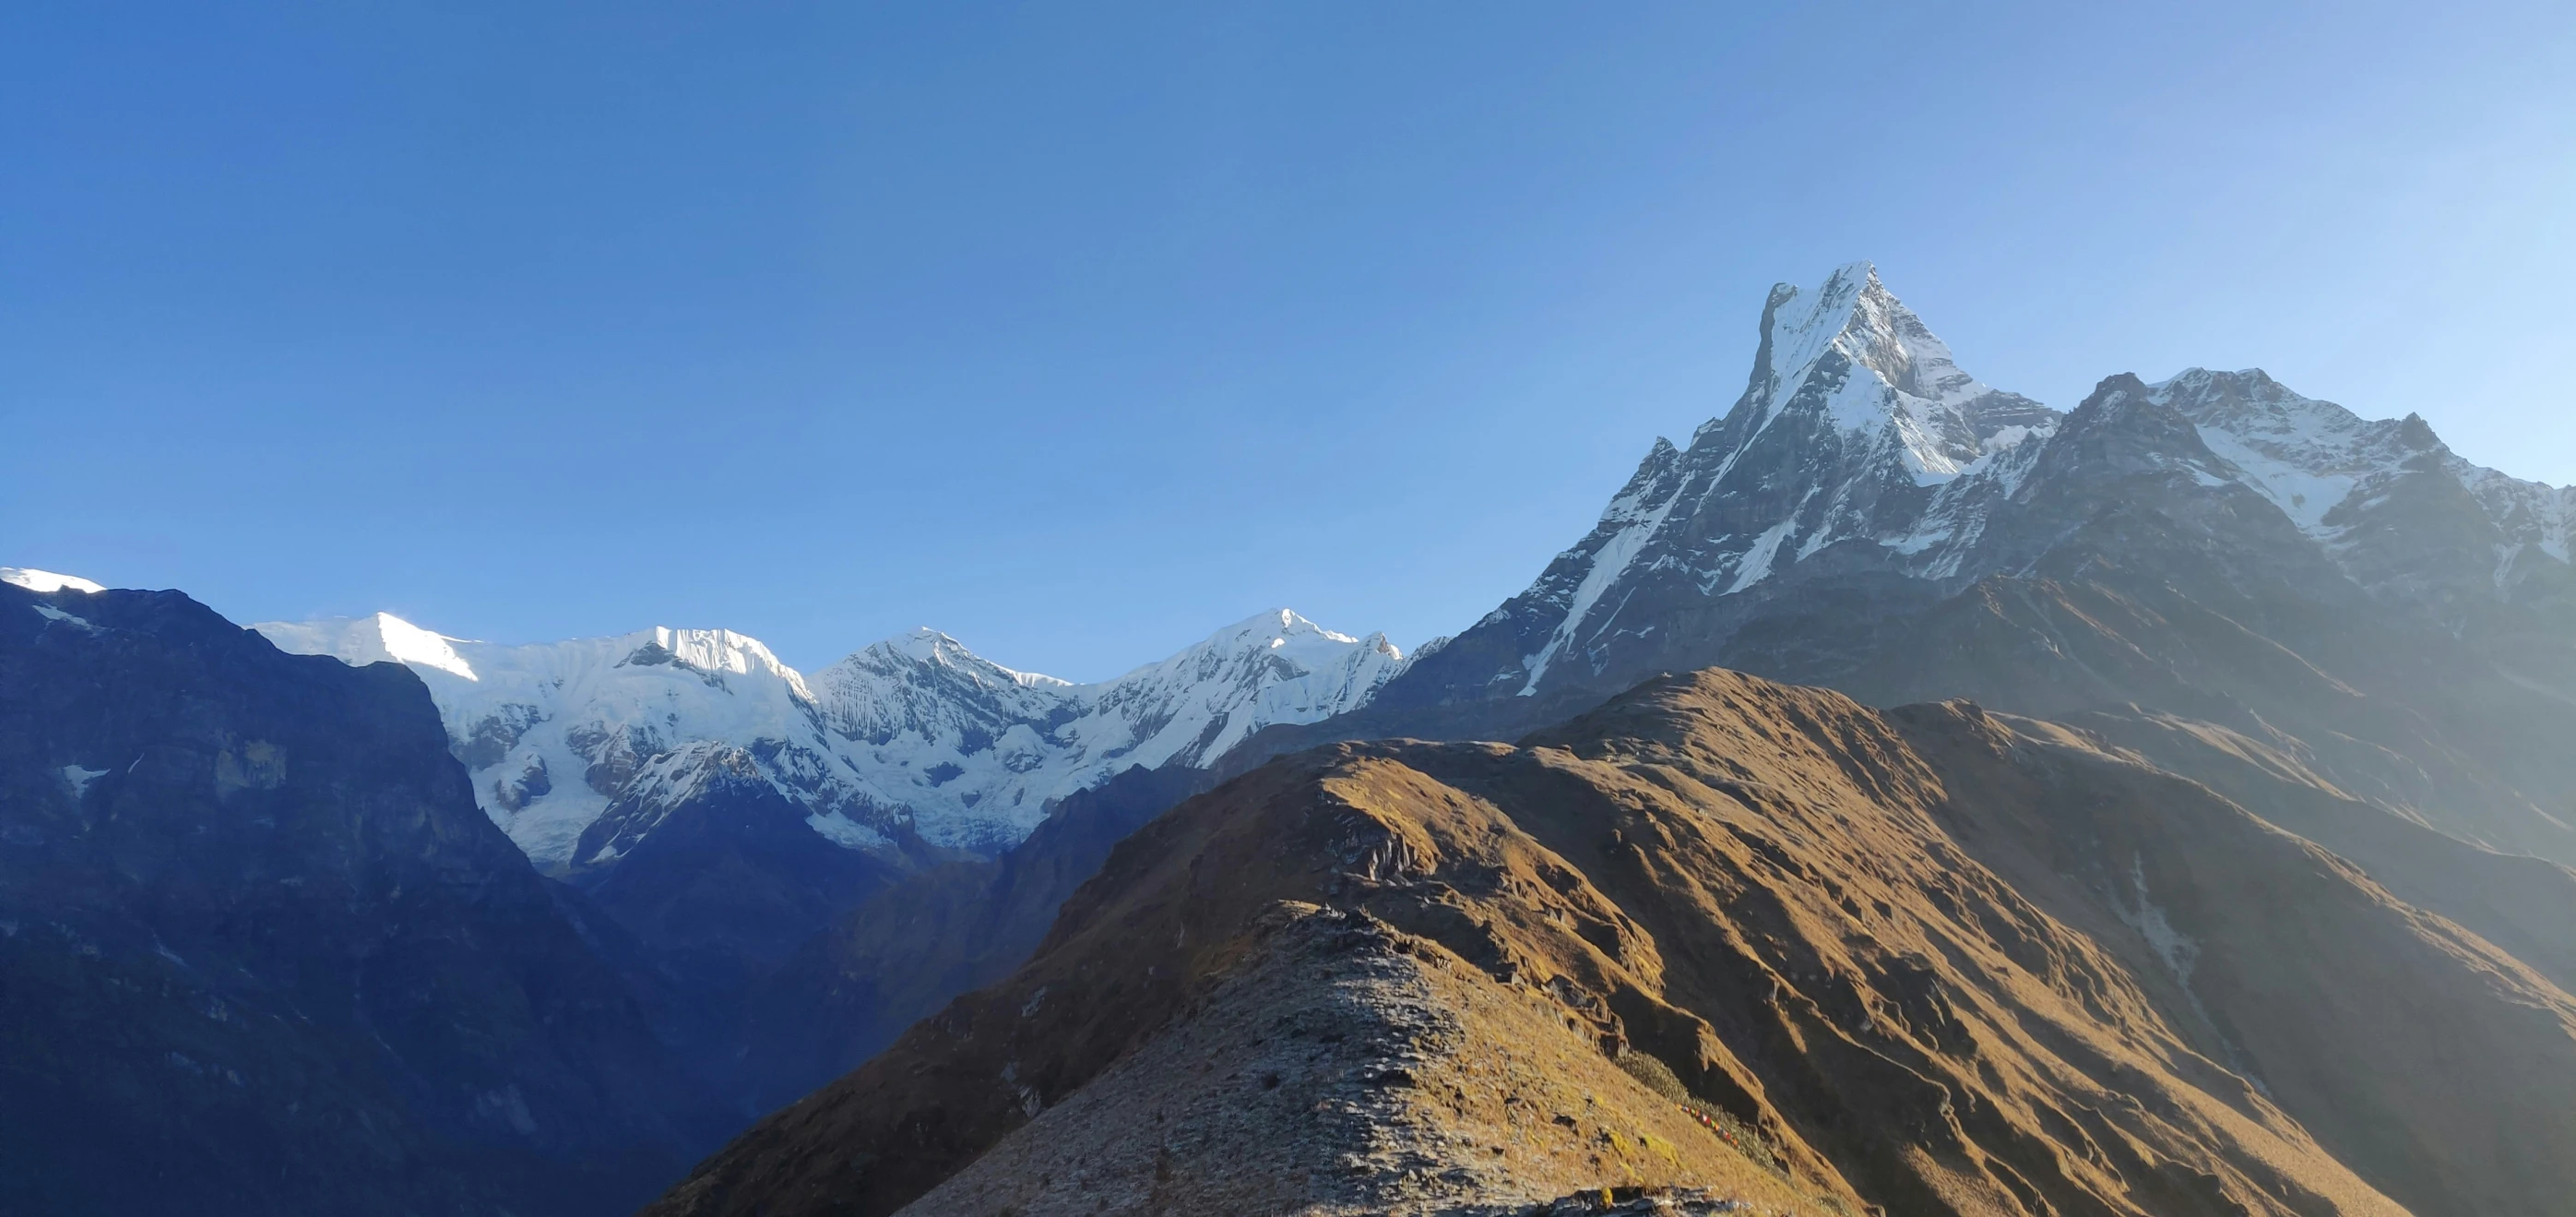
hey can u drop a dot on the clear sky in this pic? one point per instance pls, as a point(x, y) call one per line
point(1080, 330)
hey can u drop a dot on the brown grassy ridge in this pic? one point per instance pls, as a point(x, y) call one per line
point(1928, 958)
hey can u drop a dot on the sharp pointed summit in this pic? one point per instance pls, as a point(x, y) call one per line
point(1849, 357)
point(1855, 445)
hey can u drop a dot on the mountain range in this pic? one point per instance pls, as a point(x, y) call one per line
point(1908, 797)
point(725, 809)
point(911, 744)
point(2212, 547)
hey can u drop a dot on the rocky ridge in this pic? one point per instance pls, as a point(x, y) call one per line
point(1343, 1067)
point(1937, 960)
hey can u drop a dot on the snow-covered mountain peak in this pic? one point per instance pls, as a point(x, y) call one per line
point(45, 582)
point(1853, 316)
point(1279, 629)
point(994, 746)
point(553, 731)
point(1863, 470)
point(1800, 327)
point(2251, 405)
point(713, 651)
point(924, 645)
point(1849, 357)
point(1275, 667)
point(1291, 645)
point(1858, 439)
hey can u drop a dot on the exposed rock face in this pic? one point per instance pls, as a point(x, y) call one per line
point(261, 953)
point(1942, 961)
point(2215, 547)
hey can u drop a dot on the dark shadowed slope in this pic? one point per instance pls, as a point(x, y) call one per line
point(848, 992)
point(260, 952)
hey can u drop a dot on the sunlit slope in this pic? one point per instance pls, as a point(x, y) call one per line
point(1951, 963)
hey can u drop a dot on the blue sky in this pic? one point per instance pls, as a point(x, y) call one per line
point(1079, 331)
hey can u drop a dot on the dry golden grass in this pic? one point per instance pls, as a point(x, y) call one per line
point(1906, 954)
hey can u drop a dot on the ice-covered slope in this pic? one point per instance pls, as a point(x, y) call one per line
point(383, 638)
point(989, 746)
point(555, 731)
point(914, 738)
point(2337, 474)
point(942, 728)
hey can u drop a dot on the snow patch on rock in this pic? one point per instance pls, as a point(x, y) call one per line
point(79, 778)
